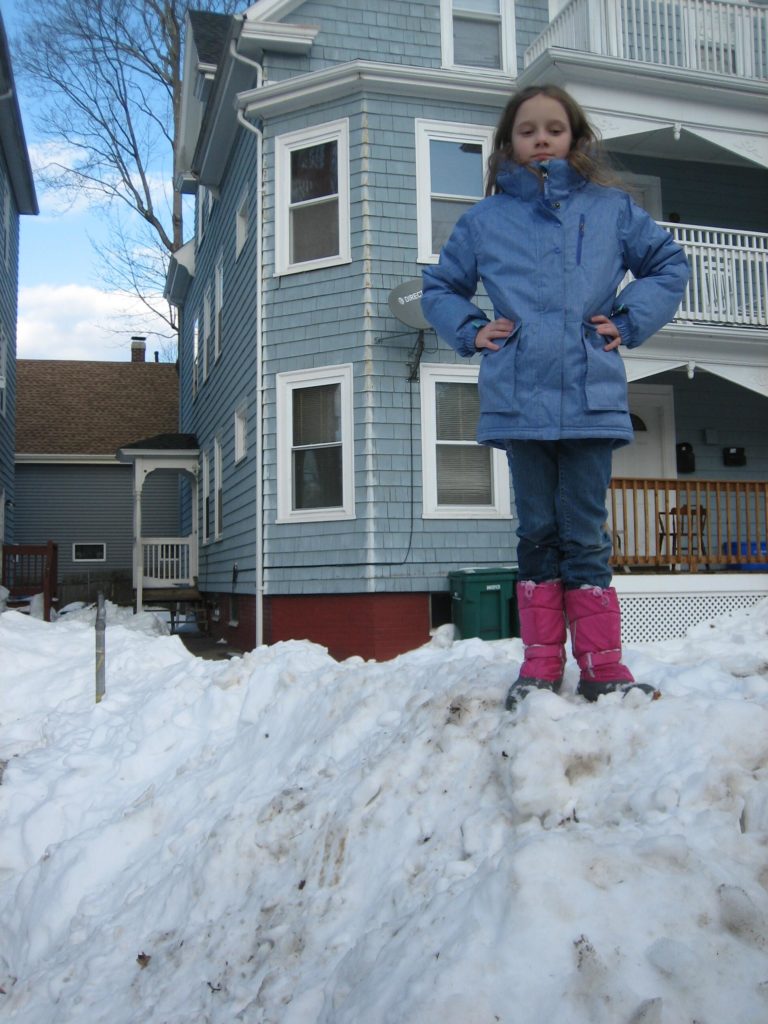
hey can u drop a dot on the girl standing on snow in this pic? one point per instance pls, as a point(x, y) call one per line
point(551, 243)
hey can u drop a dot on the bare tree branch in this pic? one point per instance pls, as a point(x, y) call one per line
point(108, 78)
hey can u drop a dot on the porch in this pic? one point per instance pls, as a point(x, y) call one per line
point(696, 35)
point(688, 525)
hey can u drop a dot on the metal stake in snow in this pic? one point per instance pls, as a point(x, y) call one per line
point(101, 629)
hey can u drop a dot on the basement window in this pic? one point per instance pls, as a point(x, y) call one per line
point(89, 552)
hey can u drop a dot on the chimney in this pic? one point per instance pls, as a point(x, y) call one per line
point(138, 348)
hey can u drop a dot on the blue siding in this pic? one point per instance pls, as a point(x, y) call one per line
point(94, 504)
point(9, 287)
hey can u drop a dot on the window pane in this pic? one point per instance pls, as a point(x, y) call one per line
point(317, 479)
point(477, 44)
point(317, 415)
point(315, 231)
point(457, 411)
point(445, 213)
point(456, 168)
point(464, 475)
point(314, 172)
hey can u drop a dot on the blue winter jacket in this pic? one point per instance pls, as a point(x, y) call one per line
point(551, 255)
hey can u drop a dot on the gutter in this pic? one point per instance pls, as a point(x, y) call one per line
point(257, 131)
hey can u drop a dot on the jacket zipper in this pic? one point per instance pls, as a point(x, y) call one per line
point(580, 241)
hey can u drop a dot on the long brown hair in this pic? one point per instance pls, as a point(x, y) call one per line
point(585, 156)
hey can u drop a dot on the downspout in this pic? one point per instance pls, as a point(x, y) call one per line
point(259, 571)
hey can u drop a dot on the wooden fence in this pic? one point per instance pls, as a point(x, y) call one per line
point(30, 569)
point(696, 524)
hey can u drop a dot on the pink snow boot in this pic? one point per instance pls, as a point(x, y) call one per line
point(542, 627)
point(594, 618)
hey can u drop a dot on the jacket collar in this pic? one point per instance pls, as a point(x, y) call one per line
point(560, 181)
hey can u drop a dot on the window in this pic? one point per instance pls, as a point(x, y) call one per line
point(479, 34)
point(218, 490)
point(462, 479)
point(312, 198)
point(89, 552)
point(450, 175)
point(195, 355)
point(206, 329)
point(241, 224)
point(218, 307)
point(241, 433)
point(3, 372)
point(315, 445)
point(205, 472)
point(205, 198)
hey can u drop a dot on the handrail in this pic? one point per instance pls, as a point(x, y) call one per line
point(30, 569)
point(690, 524)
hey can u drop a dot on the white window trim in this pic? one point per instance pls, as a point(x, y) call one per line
point(431, 374)
point(508, 43)
point(218, 306)
point(241, 433)
point(89, 543)
point(242, 225)
point(195, 355)
point(286, 384)
point(206, 329)
point(205, 492)
point(334, 131)
point(218, 489)
point(444, 131)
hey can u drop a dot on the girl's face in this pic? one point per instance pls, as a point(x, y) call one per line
point(541, 131)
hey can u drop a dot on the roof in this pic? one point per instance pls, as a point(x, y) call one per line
point(210, 33)
point(71, 407)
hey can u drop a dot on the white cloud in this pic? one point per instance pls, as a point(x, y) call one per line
point(80, 322)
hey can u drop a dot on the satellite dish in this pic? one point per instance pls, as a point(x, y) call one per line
point(405, 304)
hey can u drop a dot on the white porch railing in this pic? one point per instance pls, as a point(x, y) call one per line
point(729, 276)
point(167, 562)
point(698, 35)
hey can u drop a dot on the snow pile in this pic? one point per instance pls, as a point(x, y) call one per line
point(284, 839)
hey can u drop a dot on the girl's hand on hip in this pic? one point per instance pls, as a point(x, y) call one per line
point(500, 328)
point(608, 329)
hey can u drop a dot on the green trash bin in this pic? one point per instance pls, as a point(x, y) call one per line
point(483, 602)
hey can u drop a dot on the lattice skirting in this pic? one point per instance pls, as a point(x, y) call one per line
point(663, 607)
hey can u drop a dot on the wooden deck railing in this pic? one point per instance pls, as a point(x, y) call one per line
point(695, 524)
point(30, 569)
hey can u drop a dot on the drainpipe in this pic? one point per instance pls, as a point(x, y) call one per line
point(249, 126)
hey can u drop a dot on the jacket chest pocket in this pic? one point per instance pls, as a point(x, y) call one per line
point(605, 383)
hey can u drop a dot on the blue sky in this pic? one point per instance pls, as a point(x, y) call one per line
point(65, 309)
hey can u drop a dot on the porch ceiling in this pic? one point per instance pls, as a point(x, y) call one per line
point(669, 144)
point(741, 361)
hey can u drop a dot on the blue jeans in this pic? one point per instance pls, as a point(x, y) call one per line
point(560, 491)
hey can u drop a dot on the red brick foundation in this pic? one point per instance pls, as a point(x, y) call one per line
point(377, 626)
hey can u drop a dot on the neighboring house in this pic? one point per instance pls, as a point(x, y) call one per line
point(72, 417)
point(331, 147)
point(17, 196)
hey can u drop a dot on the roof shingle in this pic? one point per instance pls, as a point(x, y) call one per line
point(70, 407)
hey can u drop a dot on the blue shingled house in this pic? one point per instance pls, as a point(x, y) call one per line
point(17, 197)
point(330, 147)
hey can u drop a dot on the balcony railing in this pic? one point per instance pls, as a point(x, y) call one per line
point(698, 35)
point(729, 276)
point(166, 562)
point(690, 524)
